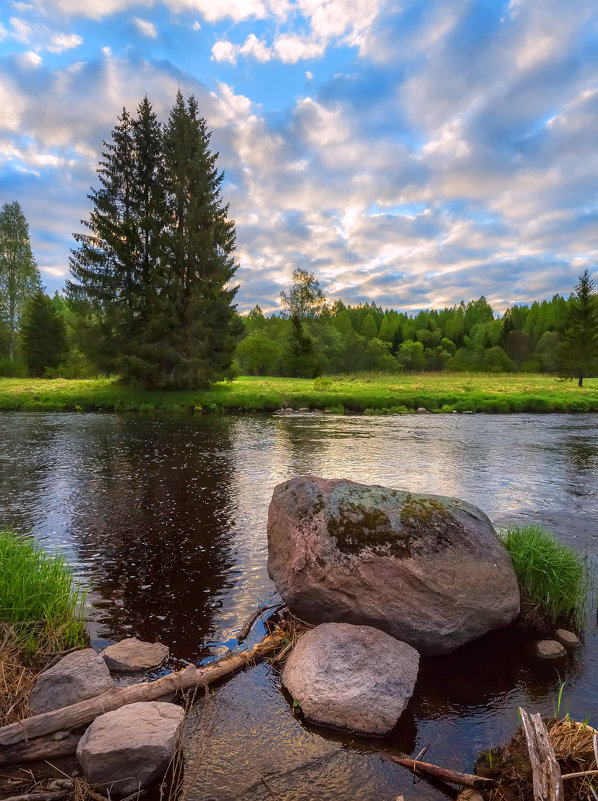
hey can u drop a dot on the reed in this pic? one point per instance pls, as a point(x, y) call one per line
point(554, 581)
point(39, 599)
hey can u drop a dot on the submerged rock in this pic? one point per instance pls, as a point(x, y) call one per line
point(427, 569)
point(132, 655)
point(128, 748)
point(351, 677)
point(77, 677)
point(550, 649)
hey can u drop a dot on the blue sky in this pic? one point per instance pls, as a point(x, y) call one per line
point(411, 153)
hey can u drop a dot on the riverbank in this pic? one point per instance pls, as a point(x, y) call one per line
point(369, 394)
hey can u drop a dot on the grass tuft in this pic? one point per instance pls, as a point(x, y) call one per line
point(553, 580)
point(38, 597)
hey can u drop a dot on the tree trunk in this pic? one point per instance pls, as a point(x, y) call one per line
point(580, 381)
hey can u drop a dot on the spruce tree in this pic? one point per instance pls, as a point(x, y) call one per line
point(579, 350)
point(202, 326)
point(43, 335)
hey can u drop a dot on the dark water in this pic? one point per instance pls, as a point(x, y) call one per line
point(165, 521)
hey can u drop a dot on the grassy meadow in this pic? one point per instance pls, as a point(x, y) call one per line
point(362, 393)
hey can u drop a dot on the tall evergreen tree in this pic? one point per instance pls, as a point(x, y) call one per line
point(43, 334)
point(579, 352)
point(19, 274)
point(201, 326)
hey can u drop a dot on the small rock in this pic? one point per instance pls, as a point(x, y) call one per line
point(131, 655)
point(455, 411)
point(304, 409)
point(77, 677)
point(351, 677)
point(421, 410)
point(567, 638)
point(128, 748)
point(549, 649)
point(468, 411)
point(61, 784)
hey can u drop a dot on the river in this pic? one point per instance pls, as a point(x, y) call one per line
point(164, 520)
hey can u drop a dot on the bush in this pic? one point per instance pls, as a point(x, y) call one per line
point(553, 579)
point(38, 597)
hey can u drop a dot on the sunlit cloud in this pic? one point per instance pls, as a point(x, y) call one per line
point(63, 41)
point(146, 28)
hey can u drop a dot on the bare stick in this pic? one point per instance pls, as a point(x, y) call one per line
point(446, 775)
point(547, 779)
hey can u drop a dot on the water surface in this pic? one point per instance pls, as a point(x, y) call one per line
point(165, 520)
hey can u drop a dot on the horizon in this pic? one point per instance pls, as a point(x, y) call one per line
point(409, 156)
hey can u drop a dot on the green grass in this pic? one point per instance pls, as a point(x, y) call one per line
point(374, 394)
point(553, 580)
point(38, 597)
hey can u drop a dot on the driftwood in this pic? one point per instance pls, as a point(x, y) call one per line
point(71, 717)
point(58, 744)
point(444, 774)
point(42, 795)
point(248, 625)
point(547, 779)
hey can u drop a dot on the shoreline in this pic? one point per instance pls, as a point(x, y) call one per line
point(358, 394)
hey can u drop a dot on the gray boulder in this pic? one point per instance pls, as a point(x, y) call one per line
point(351, 677)
point(77, 677)
point(126, 749)
point(132, 655)
point(427, 569)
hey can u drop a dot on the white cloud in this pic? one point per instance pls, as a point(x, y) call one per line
point(225, 51)
point(257, 48)
point(196, 26)
point(21, 30)
point(309, 75)
point(146, 28)
point(3, 33)
point(30, 58)
point(291, 49)
point(63, 41)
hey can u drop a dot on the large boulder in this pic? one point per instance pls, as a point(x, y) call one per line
point(128, 748)
point(351, 677)
point(427, 569)
point(77, 677)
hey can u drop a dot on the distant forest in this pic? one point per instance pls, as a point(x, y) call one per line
point(343, 339)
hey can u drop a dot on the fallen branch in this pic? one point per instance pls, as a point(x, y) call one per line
point(58, 744)
point(47, 795)
point(579, 775)
point(546, 772)
point(446, 775)
point(71, 717)
point(248, 625)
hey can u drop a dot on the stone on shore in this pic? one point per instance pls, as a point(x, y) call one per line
point(428, 570)
point(567, 638)
point(76, 677)
point(351, 677)
point(124, 750)
point(550, 649)
point(132, 655)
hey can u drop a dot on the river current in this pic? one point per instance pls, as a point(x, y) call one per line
point(164, 520)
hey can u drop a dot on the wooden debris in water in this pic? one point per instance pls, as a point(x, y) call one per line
point(546, 772)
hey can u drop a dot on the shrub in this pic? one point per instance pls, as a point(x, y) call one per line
point(553, 579)
point(38, 597)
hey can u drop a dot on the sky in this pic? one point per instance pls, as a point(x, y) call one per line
point(413, 153)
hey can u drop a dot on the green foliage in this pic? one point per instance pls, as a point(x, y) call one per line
point(43, 335)
point(553, 579)
point(151, 281)
point(38, 596)
point(579, 349)
point(19, 275)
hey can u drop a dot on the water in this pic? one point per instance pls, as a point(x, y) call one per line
point(164, 519)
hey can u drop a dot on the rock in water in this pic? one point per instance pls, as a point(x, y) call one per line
point(77, 677)
point(427, 569)
point(132, 655)
point(128, 748)
point(351, 677)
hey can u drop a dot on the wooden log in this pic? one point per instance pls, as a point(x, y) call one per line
point(546, 773)
point(71, 717)
point(58, 744)
point(444, 774)
point(248, 625)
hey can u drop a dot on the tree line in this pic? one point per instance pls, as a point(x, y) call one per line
point(150, 295)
